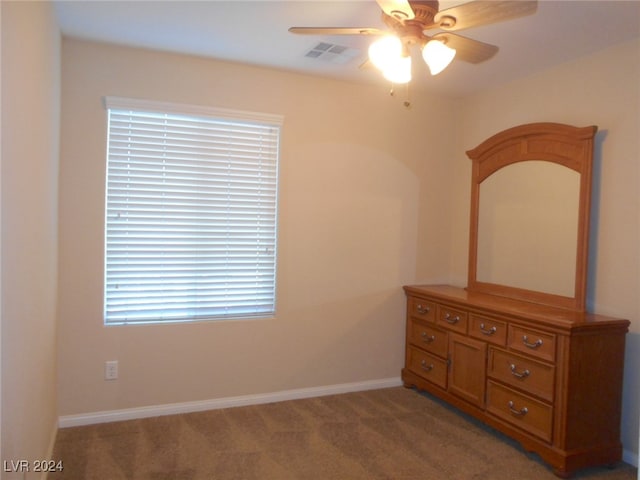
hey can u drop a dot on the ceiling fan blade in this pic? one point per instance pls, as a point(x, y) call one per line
point(398, 9)
point(468, 50)
point(336, 31)
point(482, 12)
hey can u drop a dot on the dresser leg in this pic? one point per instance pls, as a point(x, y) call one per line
point(562, 473)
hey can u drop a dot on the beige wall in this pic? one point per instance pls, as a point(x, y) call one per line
point(372, 196)
point(359, 174)
point(602, 89)
point(30, 139)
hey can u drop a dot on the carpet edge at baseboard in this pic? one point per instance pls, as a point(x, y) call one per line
point(91, 418)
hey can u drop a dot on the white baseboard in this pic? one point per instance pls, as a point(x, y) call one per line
point(227, 402)
point(631, 458)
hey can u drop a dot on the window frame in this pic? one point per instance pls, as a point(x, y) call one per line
point(169, 109)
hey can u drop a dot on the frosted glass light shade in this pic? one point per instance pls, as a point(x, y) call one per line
point(437, 56)
point(398, 71)
point(385, 51)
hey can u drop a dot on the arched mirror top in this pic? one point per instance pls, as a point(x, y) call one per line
point(529, 226)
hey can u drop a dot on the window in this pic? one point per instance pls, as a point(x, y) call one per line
point(191, 213)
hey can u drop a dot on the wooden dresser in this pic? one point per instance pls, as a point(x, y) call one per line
point(551, 378)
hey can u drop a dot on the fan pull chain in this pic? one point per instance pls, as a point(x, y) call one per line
point(407, 101)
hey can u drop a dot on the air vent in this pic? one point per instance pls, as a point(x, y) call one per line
point(330, 52)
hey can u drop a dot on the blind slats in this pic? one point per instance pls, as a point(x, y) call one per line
point(190, 218)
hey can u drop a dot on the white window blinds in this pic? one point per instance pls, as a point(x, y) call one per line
point(191, 213)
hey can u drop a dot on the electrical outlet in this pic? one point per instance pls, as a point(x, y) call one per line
point(111, 370)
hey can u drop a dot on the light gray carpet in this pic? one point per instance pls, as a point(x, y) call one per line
point(393, 433)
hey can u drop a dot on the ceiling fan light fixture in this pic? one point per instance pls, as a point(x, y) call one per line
point(385, 51)
point(437, 56)
point(398, 71)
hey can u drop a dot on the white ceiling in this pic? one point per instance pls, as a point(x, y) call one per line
point(255, 32)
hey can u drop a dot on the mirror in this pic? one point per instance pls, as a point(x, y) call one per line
point(529, 207)
point(531, 189)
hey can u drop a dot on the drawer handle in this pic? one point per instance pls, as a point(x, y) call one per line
point(520, 413)
point(484, 330)
point(425, 367)
point(526, 342)
point(427, 339)
point(515, 373)
point(422, 310)
point(452, 320)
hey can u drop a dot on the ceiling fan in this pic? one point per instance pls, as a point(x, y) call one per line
point(410, 23)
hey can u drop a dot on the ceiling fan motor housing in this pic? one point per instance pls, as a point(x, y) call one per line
point(411, 32)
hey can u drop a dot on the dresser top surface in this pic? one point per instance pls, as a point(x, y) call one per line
point(553, 316)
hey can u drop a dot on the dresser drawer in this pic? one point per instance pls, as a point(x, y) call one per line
point(428, 366)
point(428, 337)
point(488, 329)
point(531, 415)
point(533, 342)
point(452, 319)
point(522, 372)
point(421, 308)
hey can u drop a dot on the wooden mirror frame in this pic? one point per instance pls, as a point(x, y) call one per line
point(569, 146)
